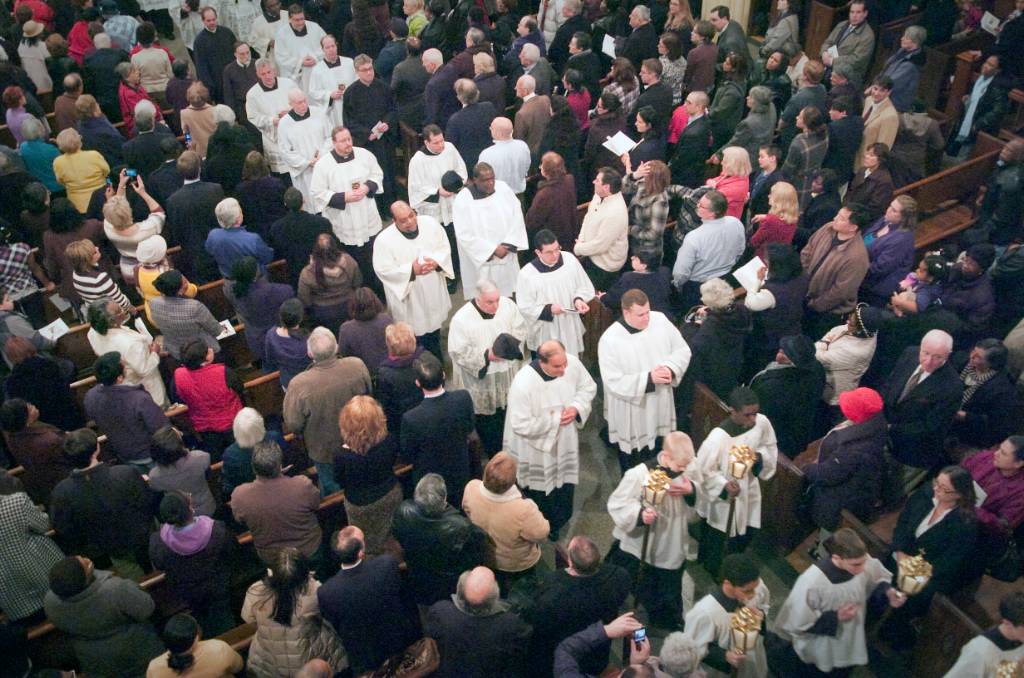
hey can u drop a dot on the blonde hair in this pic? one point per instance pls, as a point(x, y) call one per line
point(784, 203)
point(69, 141)
point(716, 294)
point(735, 161)
point(483, 63)
point(118, 212)
point(659, 179)
point(400, 338)
point(86, 106)
point(362, 424)
point(79, 253)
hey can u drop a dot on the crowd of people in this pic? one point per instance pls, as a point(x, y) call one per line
point(750, 240)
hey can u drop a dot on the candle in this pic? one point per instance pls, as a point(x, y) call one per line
point(744, 629)
point(655, 487)
point(741, 460)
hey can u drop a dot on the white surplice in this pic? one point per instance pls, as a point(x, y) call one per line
point(262, 32)
point(261, 108)
point(814, 594)
point(480, 226)
point(547, 452)
point(538, 286)
point(425, 172)
point(669, 543)
point(708, 621)
point(240, 16)
point(980, 657)
point(291, 49)
point(299, 141)
point(141, 365)
point(358, 221)
point(713, 461)
point(423, 300)
point(324, 79)
point(637, 414)
point(471, 334)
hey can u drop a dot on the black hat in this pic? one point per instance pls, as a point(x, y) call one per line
point(871, 318)
point(508, 347)
point(983, 254)
point(399, 27)
point(799, 349)
point(451, 181)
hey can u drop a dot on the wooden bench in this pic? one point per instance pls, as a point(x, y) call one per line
point(946, 629)
point(821, 19)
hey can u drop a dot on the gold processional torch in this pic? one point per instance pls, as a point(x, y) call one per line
point(912, 574)
point(744, 630)
point(1009, 668)
point(741, 460)
point(651, 496)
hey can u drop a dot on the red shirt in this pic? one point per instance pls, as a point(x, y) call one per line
point(1003, 508)
point(212, 405)
point(771, 229)
point(735, 189)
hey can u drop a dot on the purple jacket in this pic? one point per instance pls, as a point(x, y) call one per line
point(129, 417)
point(971, 299)
point(891, 257)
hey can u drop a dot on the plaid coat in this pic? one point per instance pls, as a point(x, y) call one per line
point(27, 555)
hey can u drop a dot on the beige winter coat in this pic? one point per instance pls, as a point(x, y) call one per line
point(515, 524)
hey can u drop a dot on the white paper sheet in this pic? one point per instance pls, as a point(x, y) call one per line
point(608, 45)
point(55, 330)
point(990, 23)
point(746, 275)
point(619, 144)
point(229, 329)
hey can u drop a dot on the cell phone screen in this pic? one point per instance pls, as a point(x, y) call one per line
point(639, 635)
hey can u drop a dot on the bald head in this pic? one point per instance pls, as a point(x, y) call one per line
point(934, 350)
point(501, 129)
point(405, 217)
point(525, 86)
point(297, 101)
point(432, 59)
point(477, 590)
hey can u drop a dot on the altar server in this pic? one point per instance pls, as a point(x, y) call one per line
point(1002, 644)
point(297, 46)
point(329, 78)
point(266, 103)
point(427, 168)
point(303, 135)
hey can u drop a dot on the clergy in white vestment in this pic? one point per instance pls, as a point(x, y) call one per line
point(427, 167)
point(665, 524)
point(642, 357)
point(489, 230)
point(824, 615)
point(264, 28)
point(297, 46)
point(709, 621)
point(188, 21)
point(413, 260)
point(552, 292)
point(239, 16)
point(266, 103)
point(745, 425)
point(303, 136)
point(344, 183)
point(329, 78)
point(548, 404)
point(1001, 644)
point(476, 367)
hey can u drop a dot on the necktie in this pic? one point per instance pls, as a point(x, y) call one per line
point(914, 380)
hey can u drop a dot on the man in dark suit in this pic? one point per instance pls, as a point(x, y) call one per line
point(575, 22)
point(470, 128)
point(694, 145)
point(656, 94)
point(731, 37)
point(811, 94)
point(768, 157)
point(642, 42)
point(597, 589)
point(439, 100)
point(789, 388)
point(476, 634)
point(165, 179)
point(921, 396)
point(101, 78)
point(532, 63)
point(143, 152)
point(588, 64)
point(435, 433)
point(845, 133)
point(408, 81)
point(190, 218)
point(364, 602)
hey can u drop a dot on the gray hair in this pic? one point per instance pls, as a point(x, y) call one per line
point(716, 294)
point(531, 52)
point(433, 56)
point(431, 494)
point(267, 459)
point(248, 428)
point(263, 62)
point(321, 344)
point(939, 337)
point(485, 608)
point(679, 656)
point(145, 115)
point(528, 82)
point(466, 91)
point(916, 34)
point(223, 113)
point(761, 97)
point(123, 68)
point(642, 12)
point(32, 129)
point(228, 212)
point(101, 41)
point(474, 36)
point(486, 286)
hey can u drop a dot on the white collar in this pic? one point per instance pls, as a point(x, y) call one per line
point(511, 494)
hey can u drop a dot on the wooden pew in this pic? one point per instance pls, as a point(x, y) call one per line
point(706, 412)
point(877, 536)
point(781, 519)
point(945, 630)
point(212, 296)
point(823, 17)
point(265, 395)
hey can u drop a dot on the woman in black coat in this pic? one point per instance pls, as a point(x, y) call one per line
point(718, 344)
point(989, 407)
point(789, 388)
point(848, 472)
point(396, 388)
point(945, 511)
point(872, 187)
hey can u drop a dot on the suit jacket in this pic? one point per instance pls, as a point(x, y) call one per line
point(470, 130)
point(478, 645)
point(659, 97)
point(855, 50)
point(365, 605)
point(439, 100)
point(641, 44)
point(881, 126)
point(873, 193)
point(558, 52)
point(919, 423)
point(732, 39)
point(589, 66)
point(237, 82)
point(164, 181)
point(948, 544)
point(692, 151)
point(700, 68)
point(759, 193)
point(844, 139)
point(532, 120)
point(408, 82)
point(143, 151)
point(805, 96)
point(190, 218)
point(434, 440)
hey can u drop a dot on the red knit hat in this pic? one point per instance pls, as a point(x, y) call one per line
point(860, 404)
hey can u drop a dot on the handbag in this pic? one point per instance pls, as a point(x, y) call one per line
point(1009, 566)
point(417, 661)
point(321, 641)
